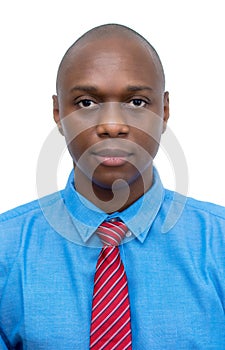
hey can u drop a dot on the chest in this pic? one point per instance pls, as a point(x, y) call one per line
point(175, 303)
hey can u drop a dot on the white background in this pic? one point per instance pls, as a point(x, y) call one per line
point(189, 37)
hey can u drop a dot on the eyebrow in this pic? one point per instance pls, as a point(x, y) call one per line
point(86, 88)
point(138, 88)
point(90, 88)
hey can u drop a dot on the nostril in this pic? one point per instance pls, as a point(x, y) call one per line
point(122, 134)
point(112, 130)
point(104, 134)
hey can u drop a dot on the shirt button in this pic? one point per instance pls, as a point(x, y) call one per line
point(113, 220)
point(128, 234)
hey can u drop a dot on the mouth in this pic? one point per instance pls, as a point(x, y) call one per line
point(112, 157)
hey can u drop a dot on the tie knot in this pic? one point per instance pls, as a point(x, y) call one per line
point(112, 233)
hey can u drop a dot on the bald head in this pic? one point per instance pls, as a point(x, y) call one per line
point(104, 32)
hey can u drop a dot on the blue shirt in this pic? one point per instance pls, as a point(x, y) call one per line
point(174, 257)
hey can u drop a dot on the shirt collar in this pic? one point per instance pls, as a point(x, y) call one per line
point(138, 217)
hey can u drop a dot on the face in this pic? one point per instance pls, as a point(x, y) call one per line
point(112, 110)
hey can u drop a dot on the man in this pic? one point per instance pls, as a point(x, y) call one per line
point(112, 108)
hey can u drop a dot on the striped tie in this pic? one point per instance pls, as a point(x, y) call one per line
point(110, 324)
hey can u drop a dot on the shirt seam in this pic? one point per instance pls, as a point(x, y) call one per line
point(187, 204)
point(10, 215)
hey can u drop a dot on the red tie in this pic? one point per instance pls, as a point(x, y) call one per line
point(110, 324)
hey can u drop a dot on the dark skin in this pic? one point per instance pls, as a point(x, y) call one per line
point(109, 143)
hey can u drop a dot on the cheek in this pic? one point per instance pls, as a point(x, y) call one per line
point(148, 141)
point(74, 150)
point(147, 152)
point(78, 145)
point(75, 125)
point(152, 146)
point(147, 128)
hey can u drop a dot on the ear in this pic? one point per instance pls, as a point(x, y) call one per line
point(166, 110)
point(56, 113)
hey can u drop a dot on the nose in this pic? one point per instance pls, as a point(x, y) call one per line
point(112, 121)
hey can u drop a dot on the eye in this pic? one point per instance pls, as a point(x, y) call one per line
point(85, 103)
point(137, 102)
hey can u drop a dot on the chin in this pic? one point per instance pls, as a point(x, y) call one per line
point(117, 182)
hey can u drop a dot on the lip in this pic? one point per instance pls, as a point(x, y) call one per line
point(112, 157)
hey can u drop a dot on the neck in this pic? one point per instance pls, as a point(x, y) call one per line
point(117, 198)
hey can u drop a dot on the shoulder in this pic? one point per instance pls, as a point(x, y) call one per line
point(19, 226)
point(30, 209)
point(192, 205)
point(19, 211)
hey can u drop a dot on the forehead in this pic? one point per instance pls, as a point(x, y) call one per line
point(110, 58)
